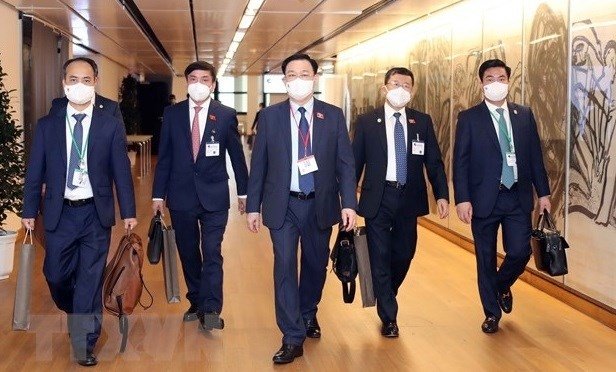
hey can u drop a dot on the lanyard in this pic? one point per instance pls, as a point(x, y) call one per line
point(305, 139)
point(505, 133)
point(81, 152)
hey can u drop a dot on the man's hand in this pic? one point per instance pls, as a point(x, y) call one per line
point(348, 219)
point(253, 221)
point(158, 205)
point(465, 212)
point(443, 208)
point(130, 223)
point(28, 223)
point(241, 205)
point(544, 203)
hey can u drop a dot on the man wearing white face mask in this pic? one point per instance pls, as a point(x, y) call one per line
point(497, 163)
point(302, 178)
point(80, 154)
point(396, 144)
point(191, 176)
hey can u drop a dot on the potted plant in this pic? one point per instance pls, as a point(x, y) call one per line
point(11, 176)
point(129, 106)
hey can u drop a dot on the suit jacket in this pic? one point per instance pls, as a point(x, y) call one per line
point(108, 165)
point(185, 183)
point(270, 169)
point(109, 106)
point(370, 149)
point(477, 162)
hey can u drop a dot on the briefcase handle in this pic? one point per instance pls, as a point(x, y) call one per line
point(541, 221)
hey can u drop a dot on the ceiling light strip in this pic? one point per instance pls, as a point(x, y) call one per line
point(144, 27)
point(248, 17)
point(194, 28)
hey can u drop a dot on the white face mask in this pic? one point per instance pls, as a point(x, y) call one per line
point(79, 93)
point(398, 97)
point(496, 91)
point(300, 89)
point(199, 92)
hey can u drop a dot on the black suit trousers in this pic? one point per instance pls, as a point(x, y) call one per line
point(392, 239)
point(516, 229)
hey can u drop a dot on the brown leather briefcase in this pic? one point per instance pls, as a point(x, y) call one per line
point(123, 283)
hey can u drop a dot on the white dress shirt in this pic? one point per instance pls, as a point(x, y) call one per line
point(390, 124)
point(295, 116)
point(205, 108)
point(495, 115)
point(84, 192)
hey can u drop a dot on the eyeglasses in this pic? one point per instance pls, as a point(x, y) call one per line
point(395, 84)
point(293, 76)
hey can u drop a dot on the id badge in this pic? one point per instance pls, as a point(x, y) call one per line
point(418, 147)
point(511, 159)
point(307, 165)
point(212, 149)
point(80, 178)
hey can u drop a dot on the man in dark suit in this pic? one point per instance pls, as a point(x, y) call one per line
point(302, 170)
point(100, 102)
point(79, 153)
point(395, 144)
point(497, 162)
point(191, 175)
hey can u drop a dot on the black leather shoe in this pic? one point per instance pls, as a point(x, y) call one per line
point(490, 325)
point(191, 313)
point(505, 301)
point(313, 330)
point(89, 360)
point(288, 353)
point(390, 330)
point(210, 320)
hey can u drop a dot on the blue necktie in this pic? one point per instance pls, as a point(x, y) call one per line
point(400, 145)
point(306, 182)
point(507, 177)
point(76, 146)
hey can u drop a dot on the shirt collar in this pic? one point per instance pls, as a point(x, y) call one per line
point(492, 107)
point(389, 111)
point(308, 106)
point(204, 105)
point(70, 110)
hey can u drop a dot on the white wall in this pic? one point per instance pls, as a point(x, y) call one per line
point(10, 56)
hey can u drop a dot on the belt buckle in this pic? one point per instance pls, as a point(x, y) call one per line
point(302, 196)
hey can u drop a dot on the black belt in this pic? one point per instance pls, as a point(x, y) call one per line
point(78, 202)
point(301, 195)
point(395, 184)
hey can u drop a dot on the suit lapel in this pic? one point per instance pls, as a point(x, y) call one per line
point(211, 124)
point(93, 135)
point(488, 123)
point(380, 121)
point(411, 131)
point(184, 124)
point(515, 123)
point(61, 135)
point(285, 123)
point(318, 130)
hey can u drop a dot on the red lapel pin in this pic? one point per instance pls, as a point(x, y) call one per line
point(411, 121)
point(320, 116)
point(212, 117)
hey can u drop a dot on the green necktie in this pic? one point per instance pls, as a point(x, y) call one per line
point(507, 177)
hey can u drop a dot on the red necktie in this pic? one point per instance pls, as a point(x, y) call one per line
point(196, 140)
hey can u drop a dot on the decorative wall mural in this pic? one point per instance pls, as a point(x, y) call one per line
point(593, 118)
point(548, 100)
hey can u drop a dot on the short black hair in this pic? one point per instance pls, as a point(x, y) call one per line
point(493, 63)
point(200, 65)
point(400, 71)
point(82, 59)
point(300, 56)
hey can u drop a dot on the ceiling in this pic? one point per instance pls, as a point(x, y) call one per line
point(321, 28)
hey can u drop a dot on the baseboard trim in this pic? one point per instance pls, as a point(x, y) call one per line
point(577, 300)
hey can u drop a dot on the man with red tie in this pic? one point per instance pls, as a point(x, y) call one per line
point(191, 176)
